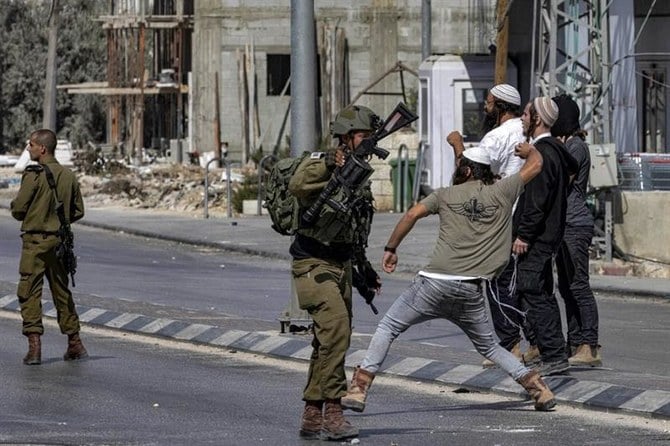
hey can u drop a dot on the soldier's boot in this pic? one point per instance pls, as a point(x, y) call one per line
point(538, 391)
point(586, 355)
point(312, 420)
point(532, 355)
point(34, 355)
point(358, 390)
point(75, 348)
point(516, 351)
point(335, 426)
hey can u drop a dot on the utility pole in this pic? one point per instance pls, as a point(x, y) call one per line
point(49, 104)
point(303, 119)
point(303, 77)
point(426, 30)
point(502, 36)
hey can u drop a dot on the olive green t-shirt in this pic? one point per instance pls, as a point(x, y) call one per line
point(475, 237)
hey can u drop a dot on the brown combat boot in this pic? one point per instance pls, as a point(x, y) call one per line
point(538, 390)
point(75, 348)
point(516, 351)
point(358, 390)
point(532, 355)
point(312, 420)
point(34, 355)
point(586, 355)
point(335, 426)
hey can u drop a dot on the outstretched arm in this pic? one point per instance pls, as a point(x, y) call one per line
point(402, 228)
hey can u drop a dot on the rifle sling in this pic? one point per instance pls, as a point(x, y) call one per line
point(59, 205)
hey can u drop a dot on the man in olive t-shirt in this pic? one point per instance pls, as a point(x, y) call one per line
point(474, 243)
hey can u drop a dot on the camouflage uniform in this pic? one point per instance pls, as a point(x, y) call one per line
point(34, 206)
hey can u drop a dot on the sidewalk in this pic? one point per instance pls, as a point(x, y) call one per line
point(253, 235)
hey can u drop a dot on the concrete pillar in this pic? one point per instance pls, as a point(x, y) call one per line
point(623, 98)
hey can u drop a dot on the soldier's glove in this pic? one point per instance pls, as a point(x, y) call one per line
point(367, 282)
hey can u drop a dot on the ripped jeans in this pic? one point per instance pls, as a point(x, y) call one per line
point(460, 302)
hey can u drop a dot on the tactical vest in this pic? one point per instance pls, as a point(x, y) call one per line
point(335, 225)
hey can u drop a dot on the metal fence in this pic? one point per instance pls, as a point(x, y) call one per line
point(644, 171)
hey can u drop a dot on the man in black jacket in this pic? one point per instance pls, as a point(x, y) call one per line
point(539, 223)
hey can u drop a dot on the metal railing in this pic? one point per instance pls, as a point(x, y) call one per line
point(229, 194)
point(402, 179)
point(644, 171)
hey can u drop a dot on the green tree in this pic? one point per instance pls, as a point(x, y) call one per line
point(81, 58)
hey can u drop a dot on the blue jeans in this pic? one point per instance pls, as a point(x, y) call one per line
point(459, 302)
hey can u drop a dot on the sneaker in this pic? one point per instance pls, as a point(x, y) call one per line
point(586, 355)
point(553, 368)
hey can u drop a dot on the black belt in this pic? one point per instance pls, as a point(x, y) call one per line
point(44, 233)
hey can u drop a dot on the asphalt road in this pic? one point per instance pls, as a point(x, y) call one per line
point(146, 391)
point(116, 266)
point(210, 286)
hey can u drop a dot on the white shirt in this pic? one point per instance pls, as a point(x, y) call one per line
point(500, 144)
point(540, 136)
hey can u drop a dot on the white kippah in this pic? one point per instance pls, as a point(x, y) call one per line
point(506, 93)
point(478, 155)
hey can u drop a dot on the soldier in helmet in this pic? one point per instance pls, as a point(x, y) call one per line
point(328, 255)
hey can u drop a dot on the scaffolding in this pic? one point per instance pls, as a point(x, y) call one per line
point(148, 55)
point(572, 57)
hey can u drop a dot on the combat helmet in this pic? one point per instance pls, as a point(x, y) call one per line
point(354, 117)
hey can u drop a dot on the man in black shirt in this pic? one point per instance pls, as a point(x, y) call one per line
point(539, 223)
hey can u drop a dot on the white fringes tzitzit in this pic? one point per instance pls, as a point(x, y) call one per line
point(511, 289)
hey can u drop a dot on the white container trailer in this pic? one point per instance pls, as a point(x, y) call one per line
point(452, 92)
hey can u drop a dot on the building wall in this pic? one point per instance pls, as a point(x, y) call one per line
point(379, 33)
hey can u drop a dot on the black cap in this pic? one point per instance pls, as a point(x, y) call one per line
point(568, 116)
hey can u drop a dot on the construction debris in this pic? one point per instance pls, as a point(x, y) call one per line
point(165, 186)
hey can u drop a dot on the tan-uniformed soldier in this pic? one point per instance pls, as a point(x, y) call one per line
point(322, 270)
point(34, 206)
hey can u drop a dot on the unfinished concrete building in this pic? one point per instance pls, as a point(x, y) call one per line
point(245, 47)
point(149, 58)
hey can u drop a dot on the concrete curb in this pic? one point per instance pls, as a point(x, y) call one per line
point(587, 394)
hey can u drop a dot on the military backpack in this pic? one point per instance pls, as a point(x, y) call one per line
point(283, 208)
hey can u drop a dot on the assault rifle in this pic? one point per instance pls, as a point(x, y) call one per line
point(356, 170)
point(65, 249)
